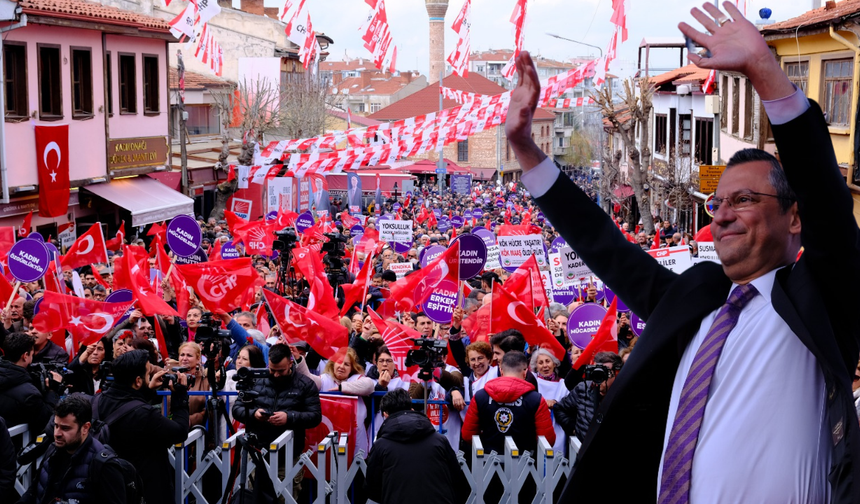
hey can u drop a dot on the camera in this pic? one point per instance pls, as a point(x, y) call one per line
point(429, 354)
point(41, 371)
point(597, 373)
point(286, 239)
point(173, 376)
point(245, 378)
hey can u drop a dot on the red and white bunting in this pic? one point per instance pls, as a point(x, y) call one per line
point(377, 34)
point(570, 102)
point(459, 57)
point(518, 19)
point(183, 24)
point(207, 9)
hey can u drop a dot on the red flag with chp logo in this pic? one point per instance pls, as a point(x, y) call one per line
point(220, 285)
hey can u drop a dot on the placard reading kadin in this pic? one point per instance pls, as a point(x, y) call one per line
point(395, 230)
point(676, 259)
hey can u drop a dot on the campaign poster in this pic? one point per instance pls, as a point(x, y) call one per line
point(279, 189)
point(353, 192)
point(461, 184)
point(242, 207)
point(676, 259)
point(707, 252)
point(304, 195)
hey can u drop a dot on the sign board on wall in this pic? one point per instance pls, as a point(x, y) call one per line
point(709, 177)
point(137, 152)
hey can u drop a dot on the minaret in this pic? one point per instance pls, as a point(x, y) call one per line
point(436, 10)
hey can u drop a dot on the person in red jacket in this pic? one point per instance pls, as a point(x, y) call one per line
point(509, 406)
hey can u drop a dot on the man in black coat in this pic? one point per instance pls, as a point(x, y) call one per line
point(7, 461)
point(287, 401)
point(20, 400)
point(45, 350)
point(407, 437)
point(74, 468)
point(143, 436)
point(757, 232)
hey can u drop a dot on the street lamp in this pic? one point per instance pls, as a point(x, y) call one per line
point(395, 191)
point(576, 42)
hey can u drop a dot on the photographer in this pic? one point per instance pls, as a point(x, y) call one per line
point(285, 400)
point(143, 436)
point(20, 400)
point(575, 411)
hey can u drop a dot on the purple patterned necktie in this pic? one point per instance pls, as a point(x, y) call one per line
point(678, 459)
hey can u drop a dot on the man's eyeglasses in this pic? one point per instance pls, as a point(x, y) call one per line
point(384, 361)
point(742, 200)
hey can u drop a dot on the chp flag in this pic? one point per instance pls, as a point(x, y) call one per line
point(220, 285)
point(52, 159)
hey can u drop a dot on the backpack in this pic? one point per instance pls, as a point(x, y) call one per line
point(101, 430)
point(131, 479)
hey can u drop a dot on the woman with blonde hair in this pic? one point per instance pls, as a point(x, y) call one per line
point(190, 358)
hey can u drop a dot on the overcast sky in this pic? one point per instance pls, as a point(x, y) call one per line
point(584, 20)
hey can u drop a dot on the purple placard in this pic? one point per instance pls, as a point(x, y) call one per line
point(428, 254)
point(583, 323)
point(486, 235)
point(28, 260)
point(121, 296)
point(419, 201)
point(557, 245)
point(356, 230)
point(407, 194)
point(387, 216)
point(582, 292)
point(620, 306)
point(443, 224)
point(637, 324)
point(52, 249)
point(396, 206)
point(564, 295)
point(228, 251)
point(437, 213)
point(473, 255)
point(541, 217)
point(35, 235)
point(184, 236)
point(304, 221)
point(477, 214)
point(198, 256)
point(500, 203)
point(401, 248)
point(457, 221)
point(440, 305)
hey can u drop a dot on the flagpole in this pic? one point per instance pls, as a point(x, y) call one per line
point(14, 292)
point(104, 245)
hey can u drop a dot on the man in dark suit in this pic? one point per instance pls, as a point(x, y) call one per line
point(753, 339)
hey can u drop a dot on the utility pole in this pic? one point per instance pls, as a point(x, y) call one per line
point(183, 117)
point(440, 166)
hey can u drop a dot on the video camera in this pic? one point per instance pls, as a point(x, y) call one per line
point(41, 371)
point(429, 354)
point(286, 239)
point(245, 379)
point(210, 336)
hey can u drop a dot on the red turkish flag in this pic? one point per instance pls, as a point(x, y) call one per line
point(477, 325)
point(7, 239)
point(355, 292)
point(133, 273)
point(297, 323)
point(396, 337)
point(605, 340)
point(215, 250)
point(526, 283)
point(414, 289)
point(512, 313)
point(220, 285)
point(159, 337)
point(157, 229)
point(86, 319)
point(116, 242)
point(52, 160)
point(88, 248)
point(98, 277)
point(24, 230)
point(321, 298)
point(6, 290)
point(339, 414)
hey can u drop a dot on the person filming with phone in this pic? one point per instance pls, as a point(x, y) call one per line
point(285, 400)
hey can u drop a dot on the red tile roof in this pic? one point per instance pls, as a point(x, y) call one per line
point(492, 55)
point(348, 65)
point(427, 100)
point(837, 11)
point(89, 11)
point(196, 81)
point(380, 85)
point(689, 73)
point(355, 119)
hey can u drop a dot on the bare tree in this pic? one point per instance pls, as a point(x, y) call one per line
point(631, 121)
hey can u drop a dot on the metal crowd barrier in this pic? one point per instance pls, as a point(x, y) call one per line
point(334, 473)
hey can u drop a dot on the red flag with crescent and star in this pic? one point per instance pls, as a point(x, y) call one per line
point(24, 230)
point(396, 337)
point(86, 319)
point(297, 323)
point(321, 298)
point(52, 160)
point(414, 289)
point(508, 312)
point(89, 248)
point(605, 340)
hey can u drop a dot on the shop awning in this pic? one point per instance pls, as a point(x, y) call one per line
point(148, 200)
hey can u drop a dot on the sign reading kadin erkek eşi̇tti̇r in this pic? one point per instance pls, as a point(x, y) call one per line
point(137, 152)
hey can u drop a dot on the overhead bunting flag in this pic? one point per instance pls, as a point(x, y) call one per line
point(518, 19)
point(183, 24)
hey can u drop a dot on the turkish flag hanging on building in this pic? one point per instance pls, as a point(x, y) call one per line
point(52, 159)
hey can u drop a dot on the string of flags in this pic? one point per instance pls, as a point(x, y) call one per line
point(459, 57)
point(518, 19)
point(300, 30)
point(193, 24)
point(377, 35)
